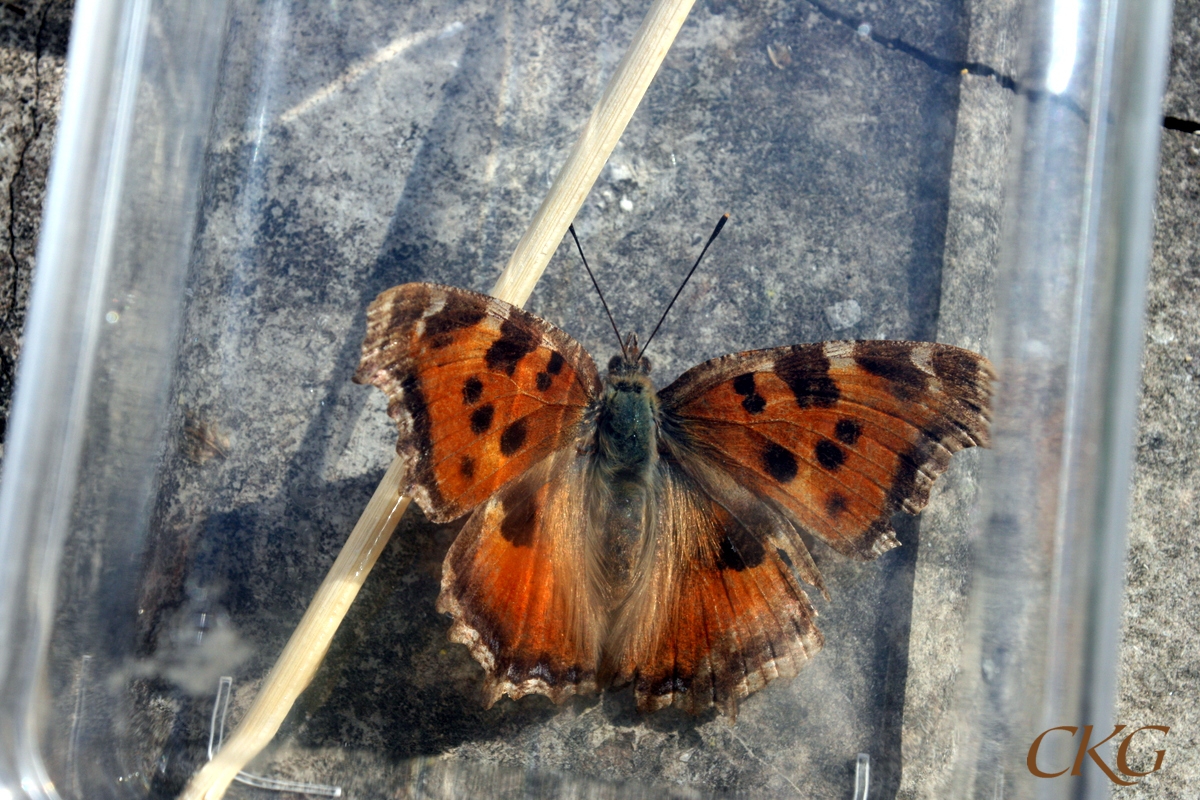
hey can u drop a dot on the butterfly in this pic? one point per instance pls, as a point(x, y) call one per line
point(620, 534)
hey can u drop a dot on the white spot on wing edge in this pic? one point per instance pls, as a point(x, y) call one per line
point(922, 357)
point(840, 354)
point(437, 301)
point(838, 349)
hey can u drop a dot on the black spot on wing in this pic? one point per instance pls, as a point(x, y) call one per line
point(752, 401)
point(805, 370)
point(835, 504)
point(544, 379)
point(520, 520)
point(730, 558)
point(754, 404)
point(481, 418)
point(516, 341)
point(460, 311)
point(739, 549)
point(893, 362)
point(847, 431)
point(555, 365)
point(466, 467)
point(744, 384)
point(829, 455)
point(779, 462)
point(472, 391)
point(513, 438)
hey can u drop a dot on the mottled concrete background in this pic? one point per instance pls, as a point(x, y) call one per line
point(868, 215)
point(1160, 650)
point(33, 50)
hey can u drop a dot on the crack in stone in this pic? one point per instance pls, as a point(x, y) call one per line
point(947, 66)
point(18, 172)
point(11, 305)
point(8, 361)
point(943, 66)
point(1178, 124)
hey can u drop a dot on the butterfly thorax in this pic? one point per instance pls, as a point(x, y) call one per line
point(626, 455)
point(627, 422)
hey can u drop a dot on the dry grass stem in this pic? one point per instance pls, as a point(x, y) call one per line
point(591, 150)
point(308, 644)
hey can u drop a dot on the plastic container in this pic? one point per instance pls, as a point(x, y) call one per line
point(233, 182)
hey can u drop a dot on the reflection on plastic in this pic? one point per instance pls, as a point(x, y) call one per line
point(1064, 46)
point(216, 735)
point(385, 54)
point(76, 724)
point(862, 776)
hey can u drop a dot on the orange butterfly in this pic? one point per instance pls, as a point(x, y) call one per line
point(622, 535)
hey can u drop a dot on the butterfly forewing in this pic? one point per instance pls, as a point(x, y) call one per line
point(480, 390)
point(840, 434)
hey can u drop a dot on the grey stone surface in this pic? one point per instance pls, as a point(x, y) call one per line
point(942, 582)
point(1182, 97)
point(836, 164)
point(33, 47)
point(1160, 652)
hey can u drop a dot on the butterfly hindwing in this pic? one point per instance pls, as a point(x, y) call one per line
point(512, 584)
point(480, 390)
point(721, 613)
point(840, 434)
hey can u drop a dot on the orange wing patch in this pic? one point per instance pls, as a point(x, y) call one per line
point(718, 623)
point(841, 434)
point(480, 390)
point(512, 584)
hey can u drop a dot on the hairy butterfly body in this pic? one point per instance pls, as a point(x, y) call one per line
point(622, 535)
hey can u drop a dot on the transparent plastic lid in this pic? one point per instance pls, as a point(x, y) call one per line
point(234, 182)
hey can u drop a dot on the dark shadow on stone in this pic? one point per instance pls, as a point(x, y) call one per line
point(939, 105)
point(38, 26)
point(891, 655)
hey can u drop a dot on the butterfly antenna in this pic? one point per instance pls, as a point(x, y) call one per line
point(620, 343)
point(717, 230)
